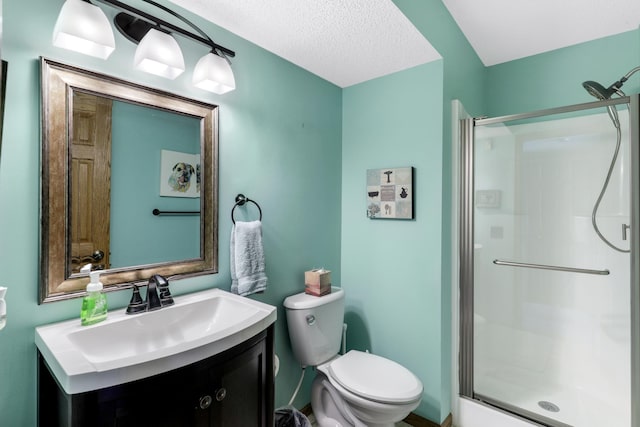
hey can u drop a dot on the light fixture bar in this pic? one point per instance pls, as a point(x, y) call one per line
point(174, 28)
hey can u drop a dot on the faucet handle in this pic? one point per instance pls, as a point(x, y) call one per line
point(163, 290)
point(136, 304)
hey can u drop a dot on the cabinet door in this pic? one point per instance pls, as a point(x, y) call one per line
point(162, 401)
point(236, 391)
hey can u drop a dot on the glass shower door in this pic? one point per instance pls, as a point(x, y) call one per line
point(551, 312)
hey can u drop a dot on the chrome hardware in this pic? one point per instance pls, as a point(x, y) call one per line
point(221, 393)
point(550, 267)
point(205, 402)
point(625, 227)
point(311, 319)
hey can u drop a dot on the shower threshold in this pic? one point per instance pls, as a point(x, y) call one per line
point(536, 416)
point(551, 406)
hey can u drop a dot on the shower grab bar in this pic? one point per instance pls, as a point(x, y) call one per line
point(550, 267)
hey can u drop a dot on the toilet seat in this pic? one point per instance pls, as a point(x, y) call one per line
point(374, 378)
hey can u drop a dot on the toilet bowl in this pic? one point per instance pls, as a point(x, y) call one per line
point(363, 388)
point(355, 389)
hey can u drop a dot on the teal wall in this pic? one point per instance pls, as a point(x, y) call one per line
point(391, 268)
point(280, 144)
point(554, 79)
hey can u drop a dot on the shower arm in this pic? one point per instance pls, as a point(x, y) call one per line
point(617, 85)
point(630, 73)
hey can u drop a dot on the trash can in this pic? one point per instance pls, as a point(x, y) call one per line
point(289, 416)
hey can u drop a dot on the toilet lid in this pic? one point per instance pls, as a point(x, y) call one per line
point(375, 378)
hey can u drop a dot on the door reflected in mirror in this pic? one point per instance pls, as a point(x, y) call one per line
point(90, 153)
point(124, 151)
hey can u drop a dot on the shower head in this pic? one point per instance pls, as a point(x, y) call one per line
point(597, 90)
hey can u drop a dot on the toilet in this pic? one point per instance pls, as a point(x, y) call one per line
point(355, 389)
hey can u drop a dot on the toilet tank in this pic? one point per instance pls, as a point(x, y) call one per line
point(315, 325)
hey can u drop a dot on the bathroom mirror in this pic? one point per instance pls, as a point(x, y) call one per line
point(129, 182)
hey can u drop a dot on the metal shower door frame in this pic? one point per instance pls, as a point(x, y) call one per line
point(466, 261)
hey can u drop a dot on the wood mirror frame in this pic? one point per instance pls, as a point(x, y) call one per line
point(58, 81)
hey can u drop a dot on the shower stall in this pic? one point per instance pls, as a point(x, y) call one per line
point(548, 265)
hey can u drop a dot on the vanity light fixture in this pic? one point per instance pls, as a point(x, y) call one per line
point(158, 53)
point(83, 27)
point(213, 73)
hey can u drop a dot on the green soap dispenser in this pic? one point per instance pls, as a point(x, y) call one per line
point(94, 304)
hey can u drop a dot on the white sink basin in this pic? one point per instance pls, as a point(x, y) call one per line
point(125, 347)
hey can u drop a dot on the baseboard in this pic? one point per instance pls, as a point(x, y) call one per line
point(412, 419)
point(306, 409)
point(418, 421)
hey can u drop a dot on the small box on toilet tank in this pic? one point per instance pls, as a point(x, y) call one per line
point(317, 282)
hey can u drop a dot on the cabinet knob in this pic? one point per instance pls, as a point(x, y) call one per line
point(205, 401)
point(221, 393)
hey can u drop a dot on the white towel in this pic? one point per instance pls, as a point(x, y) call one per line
point(247, 258)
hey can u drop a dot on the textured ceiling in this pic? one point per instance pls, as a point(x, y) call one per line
point(343, 41)
point(350, 41)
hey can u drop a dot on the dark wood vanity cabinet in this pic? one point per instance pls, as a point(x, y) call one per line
point(234, 388)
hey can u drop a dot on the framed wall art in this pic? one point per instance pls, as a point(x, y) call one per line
point(390, 193)
point(179, 174)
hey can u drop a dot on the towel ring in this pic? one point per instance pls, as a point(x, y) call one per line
point(241, 199)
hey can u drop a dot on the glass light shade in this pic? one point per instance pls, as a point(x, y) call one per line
point(158, 53)
point(213, 73)
point(83, 27)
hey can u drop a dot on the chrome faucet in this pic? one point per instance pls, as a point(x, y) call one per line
point(158, 296)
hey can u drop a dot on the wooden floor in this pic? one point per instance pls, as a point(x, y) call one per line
point(313, 422)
